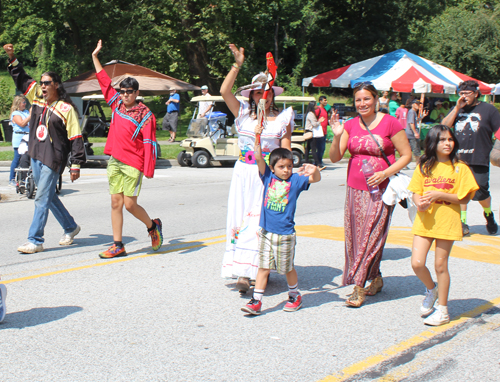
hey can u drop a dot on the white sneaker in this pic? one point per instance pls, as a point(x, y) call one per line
point(67, 238)
point(29, 247)
point(3, 296)
point(429, 300)
point(439, 317)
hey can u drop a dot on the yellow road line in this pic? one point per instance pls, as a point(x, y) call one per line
point(397, 349)
point(108, 262)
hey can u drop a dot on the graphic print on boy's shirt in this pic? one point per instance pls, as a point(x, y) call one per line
point(277, 195)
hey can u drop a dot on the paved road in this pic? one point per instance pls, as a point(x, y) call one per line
point(168, 316)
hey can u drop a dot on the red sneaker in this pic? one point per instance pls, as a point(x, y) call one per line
point(294, 303)
point(113, 251)
point(253, 307)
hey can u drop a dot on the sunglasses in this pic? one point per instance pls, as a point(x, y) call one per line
point(45, 83)
point(365, 83)
point(466, 93)
point(128, 91)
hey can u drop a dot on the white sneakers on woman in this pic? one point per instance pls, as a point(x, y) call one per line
point(429, 300)
point(440, 316)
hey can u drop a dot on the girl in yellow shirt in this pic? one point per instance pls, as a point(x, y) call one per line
point(440, 183)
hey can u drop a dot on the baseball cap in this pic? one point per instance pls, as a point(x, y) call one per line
point(204, 87)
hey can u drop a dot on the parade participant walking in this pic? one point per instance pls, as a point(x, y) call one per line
point(241, 258)
point(440, 184)
point(277, 234)
point(171, 118)
point(366, 217)
point(131, 144)
point(475, 123)
point(54, 134)
point(20, 119)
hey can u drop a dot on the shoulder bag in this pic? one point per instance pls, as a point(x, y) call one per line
point(398, 183)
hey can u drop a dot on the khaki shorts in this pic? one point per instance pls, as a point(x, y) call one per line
point(276, 251)
point(123, 179)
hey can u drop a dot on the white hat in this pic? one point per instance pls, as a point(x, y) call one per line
point(438, 103)
point(258, 82)
point(204, 87)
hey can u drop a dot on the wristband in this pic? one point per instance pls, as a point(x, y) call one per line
point(236, 66)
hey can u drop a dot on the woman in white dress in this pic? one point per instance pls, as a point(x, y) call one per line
point(241, 258)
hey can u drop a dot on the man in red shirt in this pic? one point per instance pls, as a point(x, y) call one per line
point(321, 143)
point(131, 144)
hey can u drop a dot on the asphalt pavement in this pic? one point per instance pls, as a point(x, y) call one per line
point(169, 316)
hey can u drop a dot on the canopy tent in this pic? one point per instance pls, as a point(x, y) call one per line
point(150, 82)
point(400, 71)
point(496, 89)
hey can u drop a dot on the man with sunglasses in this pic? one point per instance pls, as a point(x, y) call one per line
point(131, 144)
point(475, 122)
point(54, 134)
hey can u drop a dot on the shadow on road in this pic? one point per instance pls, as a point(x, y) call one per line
point(37, 316)
point(397, 288)
point(394, 254)
point(97, 239)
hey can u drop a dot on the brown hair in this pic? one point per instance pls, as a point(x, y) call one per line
point(365, 86)
point(253, 106)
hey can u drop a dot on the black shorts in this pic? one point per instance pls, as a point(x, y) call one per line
point(482, 176)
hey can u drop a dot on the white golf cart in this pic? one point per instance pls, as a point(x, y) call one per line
point(209, 139)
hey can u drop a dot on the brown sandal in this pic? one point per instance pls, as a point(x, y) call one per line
point(243, 285)
point(375, 286)
point(357, 297)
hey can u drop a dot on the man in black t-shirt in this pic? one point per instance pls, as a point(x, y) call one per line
point(475, 122)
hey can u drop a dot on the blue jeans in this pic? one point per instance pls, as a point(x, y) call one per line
point(320, 147)
point(46, 199)
point(14, 164)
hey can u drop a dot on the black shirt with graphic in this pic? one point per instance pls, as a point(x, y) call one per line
point(474, 128)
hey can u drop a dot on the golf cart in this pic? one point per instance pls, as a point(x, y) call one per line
point(209, 139)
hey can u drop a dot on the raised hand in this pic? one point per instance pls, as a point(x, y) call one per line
point(97, 48)
point(307, 169)
point(337, 127)
point(9, 49)
point(239, 54)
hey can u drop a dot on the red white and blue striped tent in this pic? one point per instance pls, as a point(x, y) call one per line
point(400, 71)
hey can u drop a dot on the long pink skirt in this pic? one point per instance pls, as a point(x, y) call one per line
point(366, 225)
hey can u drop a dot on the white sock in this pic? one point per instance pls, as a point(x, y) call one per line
point(443, 309)
point(257, 294)
point(293, 290)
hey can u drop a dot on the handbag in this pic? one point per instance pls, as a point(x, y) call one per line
point(398, 183)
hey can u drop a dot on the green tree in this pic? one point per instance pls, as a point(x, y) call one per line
point(466, 38)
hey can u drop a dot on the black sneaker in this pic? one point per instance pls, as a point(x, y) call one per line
point(465, 229)
point(491, 225)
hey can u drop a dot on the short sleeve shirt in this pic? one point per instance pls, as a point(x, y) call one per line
point(442, 219)
point(361, 146)
point(411, 117)
point(280, 201)
point(174, 106)
point(474, 128)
